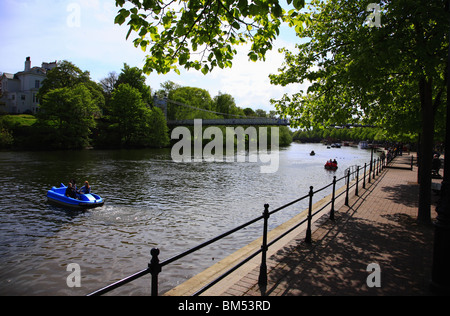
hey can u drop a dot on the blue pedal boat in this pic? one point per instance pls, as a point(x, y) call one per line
point(83, 201)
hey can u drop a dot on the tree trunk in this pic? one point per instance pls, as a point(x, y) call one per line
point(426, 150)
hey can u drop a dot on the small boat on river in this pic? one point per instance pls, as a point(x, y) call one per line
point(331, 165)
point(83, 201)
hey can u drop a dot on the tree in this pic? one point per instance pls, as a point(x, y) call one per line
point(129, 114)
point(224, 103)
point(166, 88)
point(108, 83)
point(136, 79)
point(67, 75)
point(68, 113)
point(380, 75)
point(135, 124)
point(202, 34)
point(249, 112)
point(261, 113)
point(159, 132)
point(194, 97)
point(285, 136)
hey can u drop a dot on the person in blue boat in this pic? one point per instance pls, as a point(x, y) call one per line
point(74, 184)
point(70, 191)
point(85, 189)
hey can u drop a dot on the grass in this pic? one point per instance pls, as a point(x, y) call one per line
point(21, 120)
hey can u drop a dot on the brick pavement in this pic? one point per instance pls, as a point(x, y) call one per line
point(378, 227)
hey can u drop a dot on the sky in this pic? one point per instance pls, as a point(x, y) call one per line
point(83, 32)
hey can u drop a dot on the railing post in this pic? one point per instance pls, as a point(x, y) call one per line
point(374, 167)
point(364, 177)
point(308, 229)
point(332, 199)
point(262, 280)
point(377, 165)
point(155, 269)
point(357, 180)
point(348, 184)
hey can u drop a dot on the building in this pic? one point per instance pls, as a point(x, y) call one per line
point(18, 92)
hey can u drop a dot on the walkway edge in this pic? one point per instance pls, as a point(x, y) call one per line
point(200, 280)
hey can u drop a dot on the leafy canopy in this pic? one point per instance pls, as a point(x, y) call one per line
point(135, 124)
point(136, 79)
point(68, 75)
point(202, 34)
point(68, 112)
point(359, 73)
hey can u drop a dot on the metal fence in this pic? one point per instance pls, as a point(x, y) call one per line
point(360, 174)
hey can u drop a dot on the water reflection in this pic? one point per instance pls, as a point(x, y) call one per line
point(150, 201)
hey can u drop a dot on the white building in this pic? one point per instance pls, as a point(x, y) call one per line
point(18, 92)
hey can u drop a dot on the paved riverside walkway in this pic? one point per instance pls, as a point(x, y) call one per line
point(378, 227)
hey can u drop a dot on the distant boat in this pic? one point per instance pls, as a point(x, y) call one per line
point(312, 153)
point(331, 165)
point(336, 145)
point(363, 145)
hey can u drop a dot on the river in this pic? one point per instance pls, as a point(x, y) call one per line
point(150, 201)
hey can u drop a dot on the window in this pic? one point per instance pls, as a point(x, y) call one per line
point(37, 84)
point(35, 99)
point(23, 97)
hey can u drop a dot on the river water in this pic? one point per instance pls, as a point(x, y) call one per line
point(150, 201)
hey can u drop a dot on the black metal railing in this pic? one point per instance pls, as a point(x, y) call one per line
point(155, 266)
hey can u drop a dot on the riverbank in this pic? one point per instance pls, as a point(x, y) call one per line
point(378, 227)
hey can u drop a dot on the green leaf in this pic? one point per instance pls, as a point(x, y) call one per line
point(299, 4)
point(253, 56)
point(120, 19)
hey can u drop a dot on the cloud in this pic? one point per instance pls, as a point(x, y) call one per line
point(247, 81)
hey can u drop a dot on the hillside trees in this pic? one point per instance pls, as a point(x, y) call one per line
point(224, 103)
point(74, 113)
point(70, 101)
point(129, 121)
point(68, 115)
point(136, 79)
point(191, 96)
point(133, 124)
point(68, 75)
